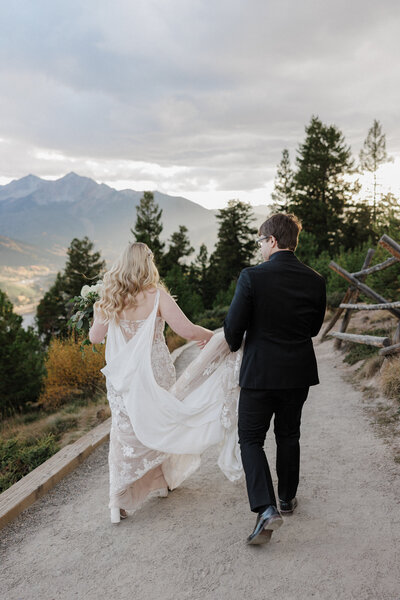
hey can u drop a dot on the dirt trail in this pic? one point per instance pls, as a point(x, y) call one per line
point(342, 543)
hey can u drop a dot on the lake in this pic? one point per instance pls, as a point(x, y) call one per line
point(28, 320)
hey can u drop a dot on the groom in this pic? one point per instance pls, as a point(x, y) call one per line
point(280, 306)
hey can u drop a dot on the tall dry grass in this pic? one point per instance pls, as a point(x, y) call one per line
point(390, 377)
point(70, 373)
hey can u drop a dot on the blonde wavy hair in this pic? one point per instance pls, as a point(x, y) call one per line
point(133, 272)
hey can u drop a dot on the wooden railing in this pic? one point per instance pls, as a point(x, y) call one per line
point(349, 303)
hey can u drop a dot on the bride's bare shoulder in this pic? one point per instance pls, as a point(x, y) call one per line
point(151, 290)
point(165, 296)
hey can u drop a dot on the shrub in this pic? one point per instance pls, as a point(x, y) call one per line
point(334, 299)
point(70, 373)
point(18, 458)
point(212, 319)
point(390, 377)
point(179, 286)
point(31, 417)
point(173, 340)
point(21, 361)
point(61, 425)
point(320, 264)
point(307, 249)
point(225, 298)
point(386, 282)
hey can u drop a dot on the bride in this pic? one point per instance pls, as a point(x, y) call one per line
point(160, 427)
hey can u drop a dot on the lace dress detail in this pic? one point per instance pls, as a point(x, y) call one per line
point(135, 470)
point(161, 427)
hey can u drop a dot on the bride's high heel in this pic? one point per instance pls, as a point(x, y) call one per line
point(117, 514)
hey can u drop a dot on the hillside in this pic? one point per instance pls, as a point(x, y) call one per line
point(26, 271)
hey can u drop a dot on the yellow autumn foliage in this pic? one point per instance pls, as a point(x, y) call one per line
point(71, 373)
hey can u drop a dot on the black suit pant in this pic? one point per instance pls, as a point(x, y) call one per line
point(256, 408)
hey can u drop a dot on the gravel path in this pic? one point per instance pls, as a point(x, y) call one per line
point(341, 544)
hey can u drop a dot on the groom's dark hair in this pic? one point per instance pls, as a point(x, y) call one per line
point(284, 227)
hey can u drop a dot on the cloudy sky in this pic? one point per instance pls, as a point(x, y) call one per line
point(191, 97)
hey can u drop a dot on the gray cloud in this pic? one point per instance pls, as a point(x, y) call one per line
point(218, 89)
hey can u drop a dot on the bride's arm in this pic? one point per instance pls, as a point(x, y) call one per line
point(98, 330)
point(178, 321)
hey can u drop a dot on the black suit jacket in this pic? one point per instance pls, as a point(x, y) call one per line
point(280, 304)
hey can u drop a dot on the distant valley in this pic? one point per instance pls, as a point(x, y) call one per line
point(26, 272)
point(39, 218)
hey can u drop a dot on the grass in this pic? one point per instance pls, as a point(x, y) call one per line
point(18, 458)
point(61, 425)
point(356, 352)
point(28, 440)
point(371, 366)
point(359, 352)
point(79, 417)
point(390, 377)
point(377, 377)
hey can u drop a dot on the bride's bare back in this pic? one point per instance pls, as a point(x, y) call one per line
point(168, 310)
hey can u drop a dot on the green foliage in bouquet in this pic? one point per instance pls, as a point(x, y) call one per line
point(82, 317)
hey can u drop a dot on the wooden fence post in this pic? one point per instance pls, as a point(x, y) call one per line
point(336, 316)
point(390, 245)
point(363, 288)
point(347, 315)
point(369, 340)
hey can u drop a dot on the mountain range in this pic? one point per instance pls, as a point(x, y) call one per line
point(39, 218)
point(48, 214)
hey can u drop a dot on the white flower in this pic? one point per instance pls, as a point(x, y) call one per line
point(98, 287)
point(85, 291)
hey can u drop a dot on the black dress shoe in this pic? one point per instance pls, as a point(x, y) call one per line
point(266, 523)
point(287, 507)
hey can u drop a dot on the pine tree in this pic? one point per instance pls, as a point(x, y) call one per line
point(358, 227)
point(373, 154)
point(236, 244)
point(179, 286)
point(52, 311)
point(388, 216)
point(284, 184)
point(201, 260)
point(199, 276)
point(21, 361)
point(148, 226)
point(83, 266)
point(321, 189)
point(179, 247)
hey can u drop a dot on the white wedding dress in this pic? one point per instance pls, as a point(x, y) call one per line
point(161, 427)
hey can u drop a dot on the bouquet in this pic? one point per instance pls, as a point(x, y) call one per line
point(82, 317)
